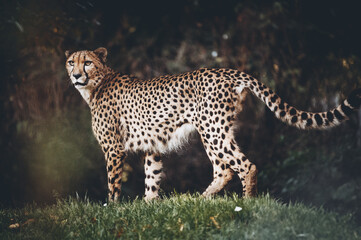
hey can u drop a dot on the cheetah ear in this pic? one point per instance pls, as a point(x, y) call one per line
point(101, 53)
point(67, 53)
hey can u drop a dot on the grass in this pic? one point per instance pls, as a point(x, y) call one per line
point(177, 217)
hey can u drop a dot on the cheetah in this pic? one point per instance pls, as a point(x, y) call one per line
point(156, 116)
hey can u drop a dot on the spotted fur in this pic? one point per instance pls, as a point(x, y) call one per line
point(157, 115)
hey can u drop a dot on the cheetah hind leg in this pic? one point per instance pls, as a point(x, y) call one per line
point(222, 174)
point(246, 171)
point(220, 178)
point(251, 182)
point(227, 161)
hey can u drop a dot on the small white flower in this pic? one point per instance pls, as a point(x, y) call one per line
point(105, 204)
point(237, 209)
point(214, 53)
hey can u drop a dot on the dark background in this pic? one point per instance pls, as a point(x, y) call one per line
point(307, 51)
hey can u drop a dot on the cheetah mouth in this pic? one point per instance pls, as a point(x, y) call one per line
point(82, 83)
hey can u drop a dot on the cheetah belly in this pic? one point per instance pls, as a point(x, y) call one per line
point(179, 137)
point(172, 141)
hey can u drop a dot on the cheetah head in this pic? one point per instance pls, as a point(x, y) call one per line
point(86, 68)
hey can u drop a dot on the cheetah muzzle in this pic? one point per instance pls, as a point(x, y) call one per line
point(157, 115)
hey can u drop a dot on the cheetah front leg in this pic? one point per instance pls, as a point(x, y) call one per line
point(153, 175)
point(114, 161)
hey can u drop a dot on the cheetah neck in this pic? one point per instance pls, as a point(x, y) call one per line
point(85, 93)
point(88, 92)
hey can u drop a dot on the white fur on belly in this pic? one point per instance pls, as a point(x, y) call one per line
point(177, 139)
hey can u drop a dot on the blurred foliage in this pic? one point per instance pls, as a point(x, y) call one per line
point(324, 175)
point(307, 51)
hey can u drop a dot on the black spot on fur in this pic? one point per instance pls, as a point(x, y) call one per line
point(329, 116)
point(274, 98)
point(304, 116)
point(318, 119)
point(294, 119)
point(338, 115)
point(281, 106)
point(346, 109)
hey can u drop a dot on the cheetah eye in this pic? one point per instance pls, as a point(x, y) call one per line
point(87, 63)
point(71, 63)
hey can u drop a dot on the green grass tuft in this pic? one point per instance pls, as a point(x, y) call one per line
point(177, 217)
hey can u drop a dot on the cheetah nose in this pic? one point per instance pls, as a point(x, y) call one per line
point(77, 75)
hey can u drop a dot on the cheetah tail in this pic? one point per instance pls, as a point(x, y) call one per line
point(298, 118)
